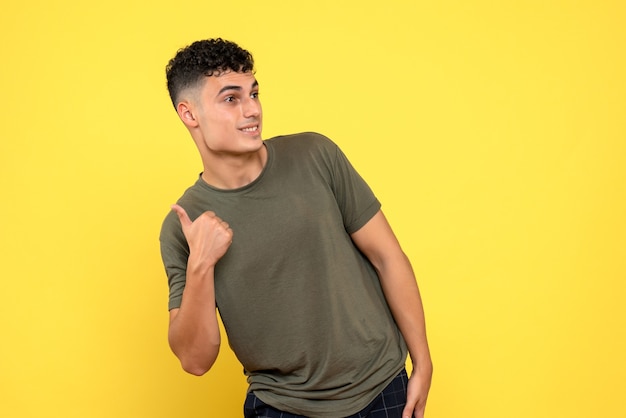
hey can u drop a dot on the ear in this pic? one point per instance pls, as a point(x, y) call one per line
point(185, 112)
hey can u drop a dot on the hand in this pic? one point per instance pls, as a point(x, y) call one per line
point(209, 237)
point(417, 393)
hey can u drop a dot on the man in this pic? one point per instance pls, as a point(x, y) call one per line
point(288, 242)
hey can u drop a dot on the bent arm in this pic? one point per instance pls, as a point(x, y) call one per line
point(379, 244)
point(194, 333)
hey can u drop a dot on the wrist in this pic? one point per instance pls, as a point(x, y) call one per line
point(422, 364)
point(199, 267)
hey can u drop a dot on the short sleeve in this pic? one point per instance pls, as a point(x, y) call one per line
point(355, 198)
point(174, 253)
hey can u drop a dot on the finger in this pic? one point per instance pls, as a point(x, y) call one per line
point(182, 215)
point(410, 410)
point(419, 411)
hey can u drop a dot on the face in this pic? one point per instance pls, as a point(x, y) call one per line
point(227, 115)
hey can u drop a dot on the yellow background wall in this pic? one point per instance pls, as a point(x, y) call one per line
point(493, 132)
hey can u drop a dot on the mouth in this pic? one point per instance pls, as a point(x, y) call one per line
point(252, 130)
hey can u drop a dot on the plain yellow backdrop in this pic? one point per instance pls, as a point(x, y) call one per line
point(493, 132)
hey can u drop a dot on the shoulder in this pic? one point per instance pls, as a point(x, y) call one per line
point(306, 142)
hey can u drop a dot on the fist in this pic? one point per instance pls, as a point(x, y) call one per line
point(208, 237)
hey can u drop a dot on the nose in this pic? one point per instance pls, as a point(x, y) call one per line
point(251, 107)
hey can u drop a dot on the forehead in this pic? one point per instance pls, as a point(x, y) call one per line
point(216, 83)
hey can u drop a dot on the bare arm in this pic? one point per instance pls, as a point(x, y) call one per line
point(377, 241)
point(194, 334)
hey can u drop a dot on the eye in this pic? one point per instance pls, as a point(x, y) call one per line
point(255, 95)
point(229, 99)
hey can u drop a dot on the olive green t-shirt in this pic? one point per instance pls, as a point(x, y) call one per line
point(302, 307)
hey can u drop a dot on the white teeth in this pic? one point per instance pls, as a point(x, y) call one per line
point(254, 128)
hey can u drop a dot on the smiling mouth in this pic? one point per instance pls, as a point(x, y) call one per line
point(250, 129)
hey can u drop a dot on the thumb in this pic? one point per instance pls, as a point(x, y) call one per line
point(182, 215)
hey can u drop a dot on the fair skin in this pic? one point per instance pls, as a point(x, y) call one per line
point(224, 118)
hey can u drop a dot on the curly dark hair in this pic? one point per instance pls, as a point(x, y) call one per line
point(203, 59)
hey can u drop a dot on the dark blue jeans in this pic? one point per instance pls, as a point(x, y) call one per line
point(388, 404)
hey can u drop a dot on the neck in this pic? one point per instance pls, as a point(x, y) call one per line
point(234, 171)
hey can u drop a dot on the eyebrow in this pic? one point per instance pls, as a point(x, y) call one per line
point(237, 88)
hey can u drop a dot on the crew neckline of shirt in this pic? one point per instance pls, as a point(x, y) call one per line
point(270, 159)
